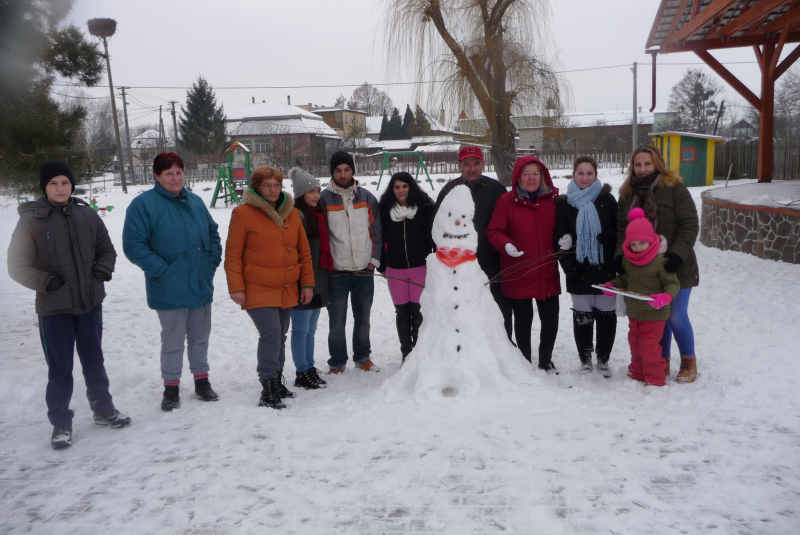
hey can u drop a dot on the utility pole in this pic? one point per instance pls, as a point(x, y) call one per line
point(635, 133)
point(116, 119)
point(175, 125)
point(128, 134)
point(161, 141)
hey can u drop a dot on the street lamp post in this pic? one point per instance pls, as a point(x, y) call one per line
point(105, 28)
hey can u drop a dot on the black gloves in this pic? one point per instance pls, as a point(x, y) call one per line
point(618, 265)
point(101, 275)
point(54, 284)
point(673, 262)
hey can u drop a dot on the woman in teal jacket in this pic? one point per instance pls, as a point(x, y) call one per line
point(170, 234)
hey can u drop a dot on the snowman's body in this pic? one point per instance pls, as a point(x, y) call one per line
point(462, 347)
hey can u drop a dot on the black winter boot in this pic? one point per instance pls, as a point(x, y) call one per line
point(306, 380)
point(583, 327)
point(61, 437)
point(416, 321)
point(172, 398)
point(546, 362)
point(606, 333)
point(269, 394)
point(203, 390)
point(284, 392)
point(314, 374)
point(403, 320)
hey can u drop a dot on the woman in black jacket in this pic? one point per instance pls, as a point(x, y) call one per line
point(405, 221)
point(586, 230)
point(61, 249)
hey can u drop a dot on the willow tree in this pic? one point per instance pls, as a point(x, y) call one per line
point(485, 57)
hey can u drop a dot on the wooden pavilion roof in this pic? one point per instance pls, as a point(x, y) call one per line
point(692, 25)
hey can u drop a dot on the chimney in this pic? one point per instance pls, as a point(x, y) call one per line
point(640, 109)
point(310, 107)
point(441, 117)
point(254, 100)
point(289, 100)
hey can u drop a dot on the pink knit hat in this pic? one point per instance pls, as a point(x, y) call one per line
point(639, 228)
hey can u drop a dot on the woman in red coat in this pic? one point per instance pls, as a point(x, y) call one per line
point(522, 229)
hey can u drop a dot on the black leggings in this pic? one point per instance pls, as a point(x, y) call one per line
point(523, 321)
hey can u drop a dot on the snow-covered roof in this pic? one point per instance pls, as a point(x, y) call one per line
point(268, 110)
point(275, 119)
point(339, 109)
point(687, 134)
point(149, 140)
point(396, 144)
point(440, 147)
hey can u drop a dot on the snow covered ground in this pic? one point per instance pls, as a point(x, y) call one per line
point(580, 455)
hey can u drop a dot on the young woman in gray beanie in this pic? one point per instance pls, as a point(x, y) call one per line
point(304, 317)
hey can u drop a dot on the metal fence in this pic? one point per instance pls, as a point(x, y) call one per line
point(743, 154)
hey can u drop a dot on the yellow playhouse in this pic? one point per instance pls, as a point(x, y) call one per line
point(691, 155)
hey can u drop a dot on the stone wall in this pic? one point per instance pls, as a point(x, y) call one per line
point(769, 233)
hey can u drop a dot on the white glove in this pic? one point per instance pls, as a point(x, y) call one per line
point(662, 245)
point(565, 242)
point(512, 251)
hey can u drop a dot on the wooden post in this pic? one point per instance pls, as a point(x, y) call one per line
point(766, 126)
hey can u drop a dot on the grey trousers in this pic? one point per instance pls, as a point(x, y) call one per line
point(272, 324)
point(192, 325)
point(585, 303)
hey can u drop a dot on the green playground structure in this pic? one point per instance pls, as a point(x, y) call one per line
point(420, 165)
point(232, 181)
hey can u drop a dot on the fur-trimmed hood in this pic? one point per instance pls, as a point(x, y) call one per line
point(277, 216)
point(669, 180)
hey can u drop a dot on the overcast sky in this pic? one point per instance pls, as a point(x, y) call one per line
point(268, 43)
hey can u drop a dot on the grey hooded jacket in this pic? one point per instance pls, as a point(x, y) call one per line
point(66, 241)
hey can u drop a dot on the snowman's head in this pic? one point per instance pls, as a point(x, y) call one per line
point(453, 226)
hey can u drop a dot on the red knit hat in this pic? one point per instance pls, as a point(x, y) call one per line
point(639, 228)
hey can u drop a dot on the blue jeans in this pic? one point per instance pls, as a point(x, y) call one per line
point(360, 286)
point(679, 325)
point(61, 334)
point(304, 325)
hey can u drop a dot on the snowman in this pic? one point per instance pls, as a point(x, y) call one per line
point(462, 350)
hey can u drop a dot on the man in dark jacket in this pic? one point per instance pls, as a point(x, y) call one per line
point(485, 193)
point(170, 234)
point(61, 249)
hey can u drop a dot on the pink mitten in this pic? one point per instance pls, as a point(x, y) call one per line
point(660, 300)
point(609, 294)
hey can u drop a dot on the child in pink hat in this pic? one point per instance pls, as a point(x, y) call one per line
point(645, 274)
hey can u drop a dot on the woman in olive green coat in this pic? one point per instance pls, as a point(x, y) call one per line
point(669, 206)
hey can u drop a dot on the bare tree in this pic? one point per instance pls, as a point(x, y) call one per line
point(787, 103)
point(489, 56)
point(370, 99)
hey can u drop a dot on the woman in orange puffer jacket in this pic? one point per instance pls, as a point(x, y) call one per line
point(268, 266)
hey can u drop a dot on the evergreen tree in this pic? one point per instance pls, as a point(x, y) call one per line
point(422, 127)
point(33, 127)
point(202, 124)
point(384, 127)
point(394, 130)
point(692, 101)
point(408, 128)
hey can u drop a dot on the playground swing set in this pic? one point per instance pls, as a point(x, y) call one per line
point(420, 165)
point(232, 181)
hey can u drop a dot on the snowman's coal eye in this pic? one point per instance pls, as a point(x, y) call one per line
point(449, 214)
point(463, 217)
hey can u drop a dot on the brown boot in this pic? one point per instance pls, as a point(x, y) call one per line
point(688, 371)
point(666, 367)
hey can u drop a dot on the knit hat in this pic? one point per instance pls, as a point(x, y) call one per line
point(341, 157)
point(472, 151)
point(302, 182)
point(49, 170)
point(639, 228)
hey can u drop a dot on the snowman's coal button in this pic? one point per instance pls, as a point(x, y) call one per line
point(458, 331)
point(455, 287)
point(458, 348)
point(454, 272)
point(456, 306)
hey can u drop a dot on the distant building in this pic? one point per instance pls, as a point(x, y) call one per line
point(743, 129)
point(347, 123)
point(148, 144)
point(282, 135)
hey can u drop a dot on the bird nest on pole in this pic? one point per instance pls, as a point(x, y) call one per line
point(103, 28)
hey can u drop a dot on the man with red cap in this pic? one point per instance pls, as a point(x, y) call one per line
point(485, 192)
